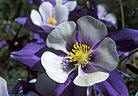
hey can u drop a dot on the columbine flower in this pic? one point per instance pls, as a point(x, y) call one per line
point(48, 16)
point(90, 53)
point(71, 4)
point(3, 87)
point(7, 24)
point(103, 15)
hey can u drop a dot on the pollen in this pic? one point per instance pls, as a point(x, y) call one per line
point(4, 22)
point(59, 3)
point(102, 18)
point(52, 20)
point(9, 21)
point(80, 53)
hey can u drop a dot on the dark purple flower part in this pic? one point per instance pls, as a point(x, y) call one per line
point(16, 43)
point(3, 43)
point(27, 86)
point(113, 86)
point(126, 39)
point(3, 87)
point(82, 55)
point(38, 38)
point(45, 86)
point(69, 89)
point(28, 57)
point(88, 9)
point(27, 23)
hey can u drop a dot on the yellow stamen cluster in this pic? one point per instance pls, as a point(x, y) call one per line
point(6, 22)
point(102, 18)
point(81, 53)
point(59, 3)
point(52, 20)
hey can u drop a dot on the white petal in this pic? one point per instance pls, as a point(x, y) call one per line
point(61, 13)
point(3, 87)
point(71, 5)
point(111, 17)
point(108, 55)
point(45, 10)
point(89, 79)
point(101, 11)
point(52, 64)
point(36, 18)
point(91, 29)
point(63, 34)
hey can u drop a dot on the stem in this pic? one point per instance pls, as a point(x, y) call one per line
point(133, 52)
point(122, 14)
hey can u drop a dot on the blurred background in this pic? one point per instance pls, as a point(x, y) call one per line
point(17, 37)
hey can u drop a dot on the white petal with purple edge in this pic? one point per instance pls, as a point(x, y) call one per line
point(63, 34)
point(101, 11)
point(110, 17)
point(3, 87)
point(91, 29)
point(89, 79)
point(108, 54)
point(36, 18)
point(61, 13)
point(45, 10)
point(71, 5)
point(53, 66)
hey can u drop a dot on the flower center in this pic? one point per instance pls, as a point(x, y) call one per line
point(102, 18)
point(80, 53)
point(52, 20)
point(59, 2)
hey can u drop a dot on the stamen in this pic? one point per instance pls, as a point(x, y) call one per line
point(52, 20)
point(4, 22)
point(102, 18)
point(81, 53)
point(59, 3)
point(9, 21)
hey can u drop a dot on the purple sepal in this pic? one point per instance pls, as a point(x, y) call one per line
point(27, 23)
point(126, 39)
point(38, 38)
point(3, 43)
point(21, 20)
point(28, 56)
point(109, 23)
point(113, 86)
point(36, 29)
point(69, 88)
point(27, 87)
point(61, 87)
